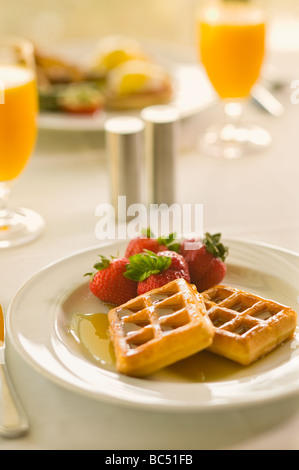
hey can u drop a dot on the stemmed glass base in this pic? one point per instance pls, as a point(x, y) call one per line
point(233, 138)
point(17, 227)
point(20, 227)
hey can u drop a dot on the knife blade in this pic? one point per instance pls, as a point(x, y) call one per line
point(264, 98)
point(13, 419)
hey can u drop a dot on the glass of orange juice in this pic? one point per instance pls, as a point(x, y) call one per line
point(18, 131)
point(231, 46)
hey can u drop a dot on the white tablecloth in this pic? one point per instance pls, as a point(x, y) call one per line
point(255, 197)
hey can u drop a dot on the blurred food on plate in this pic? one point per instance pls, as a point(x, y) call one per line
point(119, 75)
point(112, 51)
point(136, 84)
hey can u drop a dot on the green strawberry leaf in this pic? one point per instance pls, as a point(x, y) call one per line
point(146, 232)
point(215, 247)
point(143, 265)
point(170, 242)
point(104, 263)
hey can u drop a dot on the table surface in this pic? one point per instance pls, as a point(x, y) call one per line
point(255, 198)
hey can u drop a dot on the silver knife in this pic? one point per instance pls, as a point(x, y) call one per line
point(266, 100)
point(13, 419)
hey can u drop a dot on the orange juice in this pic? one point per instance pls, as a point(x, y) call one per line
point(231, 46)
point(18, 115)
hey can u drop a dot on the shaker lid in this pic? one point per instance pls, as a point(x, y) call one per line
point(124, 125)
point(160, 114)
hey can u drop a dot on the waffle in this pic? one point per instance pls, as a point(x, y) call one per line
point(246, 326)
point(159, 328)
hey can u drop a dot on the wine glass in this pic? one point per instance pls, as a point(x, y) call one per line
point(18, 131)
point(231, 46)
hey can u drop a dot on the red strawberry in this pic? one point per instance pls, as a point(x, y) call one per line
point(109, 284)
point(139, 244)
point(147, 241)
point(153, 270)
point(205, 260)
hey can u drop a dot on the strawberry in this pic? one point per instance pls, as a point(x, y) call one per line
point(139, 244)
point(205, 260)
point(109, 284)
point(80, 98)
point(147, 241)
point(153, 270)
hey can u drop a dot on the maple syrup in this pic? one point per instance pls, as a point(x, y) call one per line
point(92, 332)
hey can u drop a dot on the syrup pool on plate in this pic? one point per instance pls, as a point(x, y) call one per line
point(91, 331)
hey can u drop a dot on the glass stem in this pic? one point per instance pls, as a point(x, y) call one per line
point(4, 195)
point(233, 112)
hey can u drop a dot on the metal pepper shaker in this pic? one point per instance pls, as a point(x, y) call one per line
point(161, 150)
point(125, 152)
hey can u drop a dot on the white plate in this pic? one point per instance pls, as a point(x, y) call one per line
point(39, 315)
point(192, 94)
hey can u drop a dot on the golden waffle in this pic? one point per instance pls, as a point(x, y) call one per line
point(246, 326)
point(159, 328)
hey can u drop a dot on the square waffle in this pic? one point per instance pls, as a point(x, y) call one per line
point(159, 328)
point(246, 326)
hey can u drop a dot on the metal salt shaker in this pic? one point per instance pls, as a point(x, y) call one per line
point(161, 149)
point(125, 150)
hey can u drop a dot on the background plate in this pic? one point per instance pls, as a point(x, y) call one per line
point(192, 94)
